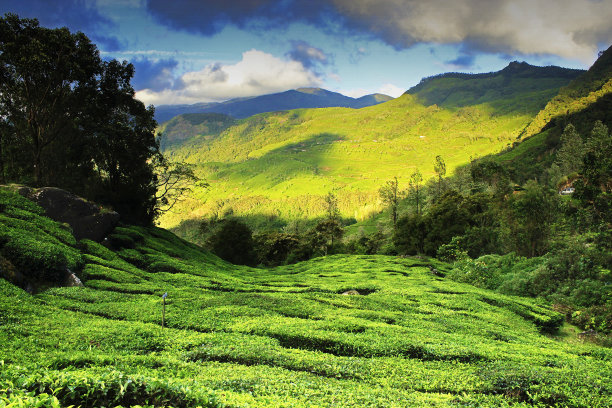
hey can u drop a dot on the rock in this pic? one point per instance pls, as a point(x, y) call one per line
point(11, 274)
point(436, 272)
point(87, 220)
point(587, 334)
point(72, 280)
point(351, 292)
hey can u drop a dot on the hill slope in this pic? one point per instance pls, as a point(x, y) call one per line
point(577, 96)
point(293, 99)
point(586, 99)
point(282, 337)
point(281, 164)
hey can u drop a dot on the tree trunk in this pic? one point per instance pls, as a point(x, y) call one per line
point(2, 179)
point(37, 170)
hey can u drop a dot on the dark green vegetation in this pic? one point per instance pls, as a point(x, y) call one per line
point(288, 336)
point(69, 119)
point(295, 99)
point(283, 164)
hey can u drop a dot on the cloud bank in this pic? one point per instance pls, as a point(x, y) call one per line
point(258, 73)
point(310, 57)
point(155, 75)
point(566, 28)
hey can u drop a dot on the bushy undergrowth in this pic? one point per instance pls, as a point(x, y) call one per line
point(569, 277)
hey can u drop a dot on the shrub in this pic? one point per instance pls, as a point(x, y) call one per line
point(233, 242)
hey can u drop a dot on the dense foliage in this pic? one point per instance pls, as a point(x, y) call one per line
point(69, 119)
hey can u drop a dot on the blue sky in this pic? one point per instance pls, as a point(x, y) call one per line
point(188, 51)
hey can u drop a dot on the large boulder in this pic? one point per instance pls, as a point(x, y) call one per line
point(88, 220)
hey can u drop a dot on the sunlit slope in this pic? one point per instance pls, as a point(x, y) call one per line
point(585, 100)
point(238, 336)
point(283, 163)
point(583, 93)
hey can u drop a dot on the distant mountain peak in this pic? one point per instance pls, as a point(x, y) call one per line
point(291, 99)
point(517, 66)
point(313, 91)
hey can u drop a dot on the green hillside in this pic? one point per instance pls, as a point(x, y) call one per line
point(183, 127)
point(585, 100)
point(282, 164)
point(577, 96)
point(282, 337)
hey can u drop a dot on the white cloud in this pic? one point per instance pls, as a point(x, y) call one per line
point(258, 73)
point(334, 77)
point(387, 89)
point(354, 93)
point(567, 28)
point(391, 90)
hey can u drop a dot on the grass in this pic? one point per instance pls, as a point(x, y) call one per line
point(282, 337)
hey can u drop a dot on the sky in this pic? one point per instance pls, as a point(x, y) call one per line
point(189, 51)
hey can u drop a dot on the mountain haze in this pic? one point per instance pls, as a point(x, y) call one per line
point(293, 99)
point(283, 163)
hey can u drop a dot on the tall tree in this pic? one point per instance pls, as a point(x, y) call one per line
point(440, 170)
point(448, 217)
point(569, 156)
point(409, 237)
point(332, 211)
point(390, 195)
point(594, 187)
point(415, 186)
point(175, 181)
point(233, 241)
point(532, 212)
point(71, 120)
point(46, 78)
point(329, 229)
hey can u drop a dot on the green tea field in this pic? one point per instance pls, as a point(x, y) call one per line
point(285, 337)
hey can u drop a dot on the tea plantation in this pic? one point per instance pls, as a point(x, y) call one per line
point(284, 337)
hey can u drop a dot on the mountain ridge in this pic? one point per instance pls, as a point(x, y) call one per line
point(300, 98)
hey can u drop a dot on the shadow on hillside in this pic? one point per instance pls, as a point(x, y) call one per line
point(285, 162)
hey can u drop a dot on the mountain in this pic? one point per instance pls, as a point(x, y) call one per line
point(282, 164)
point(181, 128)
point(230, 336)
point(293, 99)
point(583, 101)
point(504, 90)
point(579, 95)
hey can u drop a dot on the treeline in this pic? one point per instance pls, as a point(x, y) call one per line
point(69, 119)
